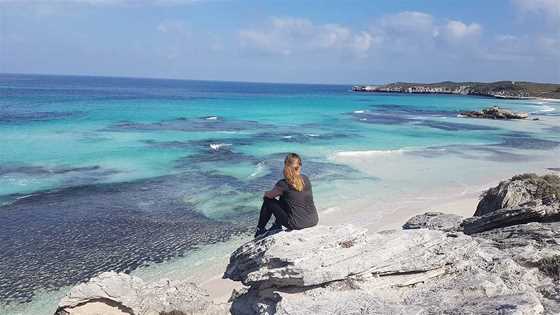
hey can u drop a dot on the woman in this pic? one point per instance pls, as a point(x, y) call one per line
point(295, 208)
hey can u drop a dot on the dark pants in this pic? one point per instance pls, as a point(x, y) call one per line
point(270, 207)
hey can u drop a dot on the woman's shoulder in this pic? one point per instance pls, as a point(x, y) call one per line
point(282, 182)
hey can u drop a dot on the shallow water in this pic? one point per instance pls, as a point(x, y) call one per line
point(116, 174)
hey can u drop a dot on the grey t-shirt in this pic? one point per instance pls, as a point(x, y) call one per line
point(301, 208)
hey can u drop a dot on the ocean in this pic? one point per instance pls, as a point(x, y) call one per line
point(126, 174)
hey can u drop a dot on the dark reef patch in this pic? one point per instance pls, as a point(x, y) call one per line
point(451, 126)
point(472, 152)
point(57, 238)
point(555, 129)
point(403, 110)
point(400, 115)
point(223, 154)
point(525, 141)
point(41, 170)
point(66, 176)
point(297, 137)
point(16, 118)
point(381, 118)
point(187, 124)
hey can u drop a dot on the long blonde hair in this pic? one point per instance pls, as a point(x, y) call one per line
point(292, 171)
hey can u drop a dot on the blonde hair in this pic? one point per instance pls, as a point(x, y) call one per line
point(292, 171)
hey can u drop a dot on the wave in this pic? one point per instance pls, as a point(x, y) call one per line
point(547, 108)
point(359, 111)
point(218, 146)
point(212, 118)
point(554, 100)
point(370, 153)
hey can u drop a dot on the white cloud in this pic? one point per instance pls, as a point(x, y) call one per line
point(457, 30)
point(408, 33)
point(172, 26)
point(549, 8)
point(288, 35)
point(409, 23)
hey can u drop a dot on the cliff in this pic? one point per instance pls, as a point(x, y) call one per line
point(504, 260)
point(500, 89)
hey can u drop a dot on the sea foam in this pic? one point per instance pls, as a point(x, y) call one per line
point(218, 146)
point(370, 153)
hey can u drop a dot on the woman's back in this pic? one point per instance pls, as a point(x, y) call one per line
point(303, 213)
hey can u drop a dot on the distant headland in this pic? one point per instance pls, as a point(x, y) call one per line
point(500, 89)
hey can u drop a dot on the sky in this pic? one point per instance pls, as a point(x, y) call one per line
point(300, 41)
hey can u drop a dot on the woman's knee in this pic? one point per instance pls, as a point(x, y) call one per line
point(268, 200)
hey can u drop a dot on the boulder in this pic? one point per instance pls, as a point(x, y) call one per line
point(325, 254)
point(113, 293)
point(343, 270)
point(435, 221)
point(494, 112)
point(522, 199)
point(525, 189)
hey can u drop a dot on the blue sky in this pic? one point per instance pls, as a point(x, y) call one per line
point(284, 41)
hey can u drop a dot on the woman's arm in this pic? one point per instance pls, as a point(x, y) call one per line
point(275, 192)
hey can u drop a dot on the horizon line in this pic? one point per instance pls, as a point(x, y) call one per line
point(257, 82)
point(168, 79)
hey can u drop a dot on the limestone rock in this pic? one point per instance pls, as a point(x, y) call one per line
point(525, 189)
point(529, 244)
point(494, 112)
point(416, 271)
point(525, 198)
point(324, 254)
point(113, 293)
point(435, 221)
point(502, 218)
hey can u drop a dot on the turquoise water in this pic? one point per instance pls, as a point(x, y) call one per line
point(114, 174)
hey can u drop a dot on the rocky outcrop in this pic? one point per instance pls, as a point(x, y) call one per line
point(113, 293)
point(494, 113)
point(522, 199)
point(342, 270)
point(526, 189)
point(508, 264)
point(435, 221)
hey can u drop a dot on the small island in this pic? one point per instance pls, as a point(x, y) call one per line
point(499, 89)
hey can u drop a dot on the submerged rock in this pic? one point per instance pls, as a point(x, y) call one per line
point(494, 113)
point(113, 293)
